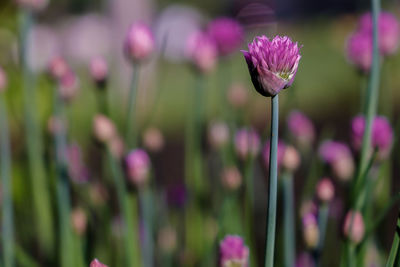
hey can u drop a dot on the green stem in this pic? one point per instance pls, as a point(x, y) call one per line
point(322, 225)
point(7, 211)
point(394, 251)
point(288, 220)
point(102, 100)
point(41, 197)
point(272, 184)
point(131, 127)
point(146, 202)
point(128, 209)
point(249, 205)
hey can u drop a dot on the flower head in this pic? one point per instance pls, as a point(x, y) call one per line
point(69, 85)
point(35, 5)
point(153, 139)
point(247, 143)
point(58, 67)
point(233, 252)
point(3, 80)
point(138, 166)
point(382, 134)
point(227, 34)
point(359, 50)
point(388, 29)
point(104, 129)
point(79, 220)
point(99, 70)
point(301, 128)
point(325, 190)
point(97, 263)
point(201, 50)
point(339, 157)
point(354, 227)
point(272, 63)
point(231, 178)
point(291, 158)
point(310, 230)
point(139, 42)
point(218, 134)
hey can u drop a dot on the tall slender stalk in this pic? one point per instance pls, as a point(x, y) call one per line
point(146, 203)
point(394, 251)
point(288, 220)
point(249, 206)
point(272, 184)
point(131, 128)
point(63, 188)
point(7, 203)
point(322, 225)
point(40, 192)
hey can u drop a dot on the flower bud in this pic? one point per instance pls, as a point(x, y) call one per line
point(139, 42)
point(138, 166)
point(339, 157)
point(153, 139)
point(359, 50)
point(69, 85)
point(325, 190)
point(247, 143)
point(231, 178)
point(343, 168)
point(218, 134)
point(79, 221)
point(353, 227)
point(310, 231)
point(238, 95)
point(201, 51)
point(291, 159)
point(76, 170)
point(233, 252)
point(3, 80)
point(99, 71)
point(58, 67)
point(97, 263)
point(104, 129)
point(301, 128)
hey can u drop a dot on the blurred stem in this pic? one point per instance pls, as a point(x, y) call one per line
point(371, 101)
point(102, 99)
point(128, 210)
point(146, 203)
point(63, 187)
point(394, 251)
point(288, 220)
point(323, 213)
point(249, 206)
point(41, 197)
point(131, 116)
point(6, 188)
point(272, 184)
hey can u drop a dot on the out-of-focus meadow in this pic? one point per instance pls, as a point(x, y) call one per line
point(327, 88)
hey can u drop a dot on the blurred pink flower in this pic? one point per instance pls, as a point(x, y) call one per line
point(69, 85)
point(79, 220)
point(97, 263)
point(325, 190)
point(227, 33)
point(233, 252)
point(339, 157)
point(201, 50)
point(359, 50)
point(153, 139)
point(238, 95)
point(104, 129)
point(218, 134)
point(3, 80)
point(58, 67)
point(231, 178)
point(99, 70)
point(353, 227)
point(272, 63)
point(247, 143)
point(139, 43)
point(301, 128)
point(138, 166)
point(291, 158)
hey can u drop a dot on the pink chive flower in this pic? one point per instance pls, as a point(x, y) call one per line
point(35, 5)
point(382, 134)
point(281, 152)
point(76, 169)
point(227, 34)
point(97, 263)
point(153, 139)
point(139, 43)
point(310, 230)
point(354, 227)
point(3, 80)
point(301, 128)
point(247, 143)
point(58, 67)
point(201, 50)
point(233, 252)
point(218, 134)
point(138, 166)
point(79, 220)
point(359, 50)
point(104, 129)
point(99, 70)
point(339, 157)
point(388, 28)
point(291, 159)
point(69, 85)
point(231, 178)
point(272, 63)
point(325, 190)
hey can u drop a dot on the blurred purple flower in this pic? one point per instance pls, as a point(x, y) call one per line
point(58, 67)
point(3, 80)
point(139, 42)
point(389, 31)
point(339, 157)
point(201, 50)
point(77, 171)
point(97, 263)
point(301, 128)
point(359, 50)
point(382, 134)
point(304, 260)
point(281, 153)
point(310, 230)
point(247, 143)
point(272, 64)
point(99, 70)
point(69, 85)
point(233, 252)
point(227, 34)
point(353, 227)
point(138, 166)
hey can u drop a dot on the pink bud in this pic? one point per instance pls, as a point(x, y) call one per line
point(325, 190)
point(291, 159)
point(353, 227)
point(139, 42)
point(79, 220)
point(69, 85)
point(138, 166)
point(153, 139)
point(3, 80)
point(233, 252)
point(238, 95)
point(99, 70)
point(202, 51)
point(58, 67)
point(218, 134)
point(247, 143)
point(231, 178)
point(103, 128)
point(97, 263)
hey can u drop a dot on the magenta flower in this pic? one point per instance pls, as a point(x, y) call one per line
point(389, 31)
point(301, 128)
point(353, 227)
point(69, 85)
point(233, 252)
point(339, 157)
point(58, 67)
point(281, 152)
point(325, 190)
point(247, 143)
point(359, 50)
point(99, 70)
point(3, 80)
point(272, 64)
point(139, 42)
point(227, 34)
point(201, 50)
point(97, 263)
point(382, 134)
point(138, 166)
point(76, 169)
